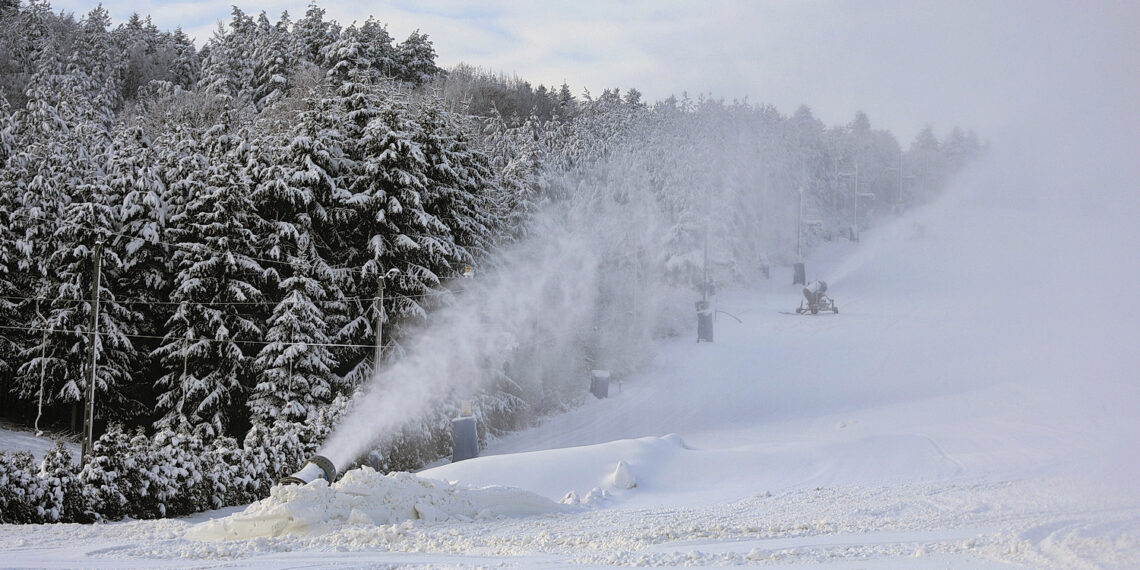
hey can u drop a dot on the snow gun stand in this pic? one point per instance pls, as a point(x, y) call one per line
point(816, 299)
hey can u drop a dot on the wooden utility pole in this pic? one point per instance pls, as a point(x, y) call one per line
point(89, 414)
point(379, 323)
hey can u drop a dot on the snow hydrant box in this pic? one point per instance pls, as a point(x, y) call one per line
point(600, 383)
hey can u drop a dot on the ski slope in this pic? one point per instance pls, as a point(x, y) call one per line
point(973, 404)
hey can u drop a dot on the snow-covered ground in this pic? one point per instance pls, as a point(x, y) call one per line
point(973, 404)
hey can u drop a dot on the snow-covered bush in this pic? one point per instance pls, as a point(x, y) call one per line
point(64, 497)
point(107, 477)
point(20, 489)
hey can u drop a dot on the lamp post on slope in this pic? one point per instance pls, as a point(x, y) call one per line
point(380, 315)
point(854, 232)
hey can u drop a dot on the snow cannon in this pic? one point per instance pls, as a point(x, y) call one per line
point(318, 467)
point(815, 294)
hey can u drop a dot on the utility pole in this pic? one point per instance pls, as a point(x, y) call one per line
point(799, 275)
point(380, 315)
point(379, 324)
point(89, 414)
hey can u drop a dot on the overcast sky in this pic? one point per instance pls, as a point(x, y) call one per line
point(991, 65)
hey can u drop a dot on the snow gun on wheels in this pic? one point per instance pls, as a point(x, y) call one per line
point(318, 467)
point(815, 295)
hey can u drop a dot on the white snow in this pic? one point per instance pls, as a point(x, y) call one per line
point(973, 404)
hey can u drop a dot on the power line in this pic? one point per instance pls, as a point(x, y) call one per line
point(185, 246)
point(221, 303)
point(185, 340)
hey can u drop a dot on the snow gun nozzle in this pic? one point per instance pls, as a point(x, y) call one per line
point(318, 467)
point(814, 291)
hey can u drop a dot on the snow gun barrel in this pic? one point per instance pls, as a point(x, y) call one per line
point(318, 467)
point(814, 291)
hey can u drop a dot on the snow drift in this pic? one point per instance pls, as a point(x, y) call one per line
point(365, 497)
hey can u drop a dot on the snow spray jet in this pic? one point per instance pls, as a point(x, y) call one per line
point(545, 304)
point(543, 289)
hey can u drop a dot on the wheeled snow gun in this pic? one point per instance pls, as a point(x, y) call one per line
point(815, 295)
point(318, 467)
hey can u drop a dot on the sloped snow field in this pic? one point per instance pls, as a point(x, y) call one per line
point(973, 404)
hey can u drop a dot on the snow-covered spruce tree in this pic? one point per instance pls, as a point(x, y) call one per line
point(148, 486)
point(460, 183)
point(295, 367)
point(272, 451)
point(64, 499)
point(145, 278)
point(98, 59)
point(59, 358)
point(348, 62)
point(518, 156)
point(314, 34)
point(207, 351)
point(390, 228)
point(184, 65)
point(228, 61)
point(353, 102)
point(10, 288)
point(274, 61)
point(37, 172)
point(377, 48)
point(415, 60)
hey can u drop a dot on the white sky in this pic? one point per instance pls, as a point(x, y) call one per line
point(982, 64)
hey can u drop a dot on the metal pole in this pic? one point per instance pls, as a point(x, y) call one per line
point(899, 200)
point(799, 222)
point(856, 215)
point(89, 416)
point(380, 315)
point(379, 322)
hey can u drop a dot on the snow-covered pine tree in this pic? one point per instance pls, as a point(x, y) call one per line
point(295, 367)
point(459, 186)
point(347, 60)
point(184, 65)
point(228, 64)
point(206, 353)
point(378, 49)
point(314, 34)
point(390, 228)
point(59, 359)
point(415, 60)
point(273, 62)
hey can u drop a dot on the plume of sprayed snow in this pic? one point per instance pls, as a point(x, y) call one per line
point(579, 289)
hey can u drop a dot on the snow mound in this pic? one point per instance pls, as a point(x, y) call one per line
point(366, 497)
point(622, 477)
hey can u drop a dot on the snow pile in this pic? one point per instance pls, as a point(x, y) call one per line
point(366, 497)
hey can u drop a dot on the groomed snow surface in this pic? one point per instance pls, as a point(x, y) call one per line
point(972, 405)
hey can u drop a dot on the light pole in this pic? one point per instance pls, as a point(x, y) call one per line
point(380, 315)
point(799, 274)
point(854, 233)
point(89, 414)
